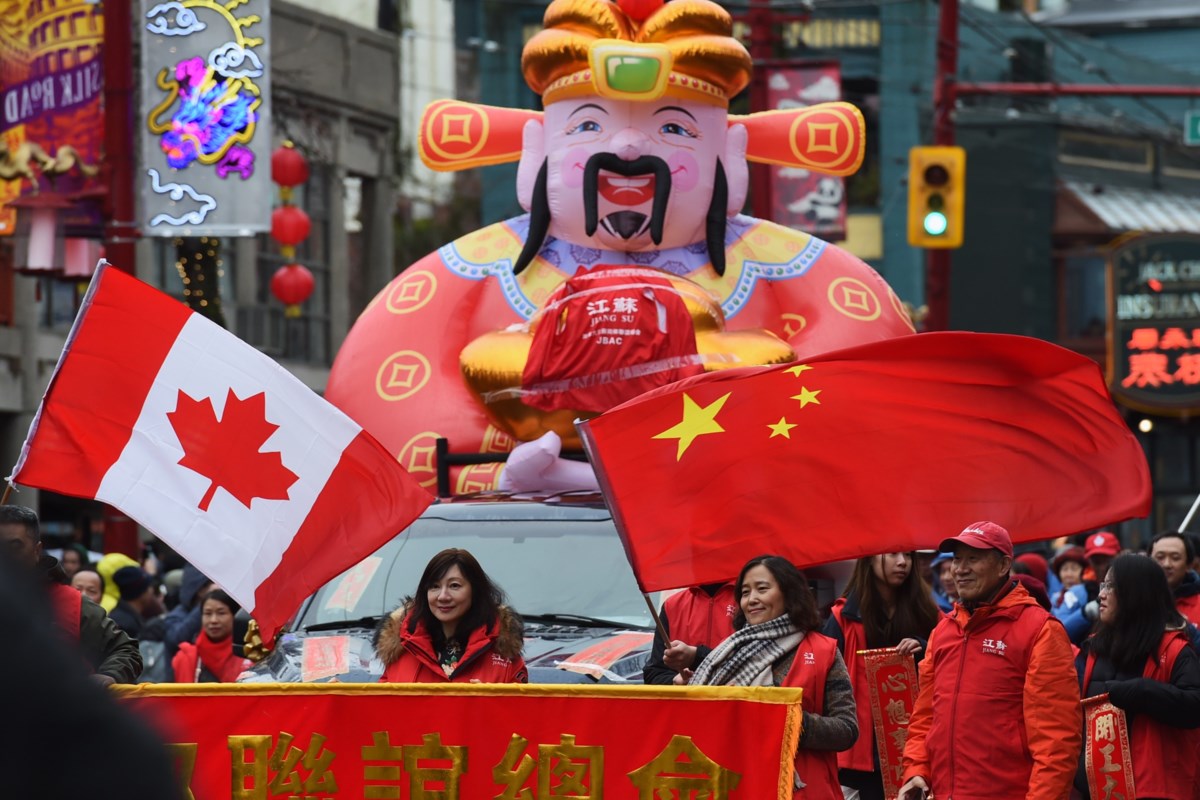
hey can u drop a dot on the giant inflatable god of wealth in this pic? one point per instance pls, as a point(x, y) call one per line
point(634, 266)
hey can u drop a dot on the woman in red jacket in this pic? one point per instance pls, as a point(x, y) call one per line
point(1141, 656)
point(886, 604)
point(211, 658)
point(455, 629)
point(776, 643)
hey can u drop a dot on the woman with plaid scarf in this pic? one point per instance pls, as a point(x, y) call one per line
point(776, 643)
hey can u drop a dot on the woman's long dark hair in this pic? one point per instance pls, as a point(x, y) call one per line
point(1145, 608)
point(798, 600)
point(486, 597)
point(914, 616)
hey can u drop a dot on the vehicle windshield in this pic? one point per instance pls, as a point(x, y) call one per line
point(564, 561)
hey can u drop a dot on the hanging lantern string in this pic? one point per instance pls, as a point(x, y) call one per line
point(292, 284)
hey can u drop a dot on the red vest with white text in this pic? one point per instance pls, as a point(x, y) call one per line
point(1164, 758)
point(978, 725)
point(816, 768)
point(697, 619)
point(862, 755)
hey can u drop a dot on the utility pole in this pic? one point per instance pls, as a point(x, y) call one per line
point(120, 227)
point(764, 23)
point(937, 265)
point(762, 51)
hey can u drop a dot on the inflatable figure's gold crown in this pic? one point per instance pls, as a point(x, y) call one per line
point(683, 48)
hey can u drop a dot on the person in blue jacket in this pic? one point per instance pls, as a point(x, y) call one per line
point(1069, 604)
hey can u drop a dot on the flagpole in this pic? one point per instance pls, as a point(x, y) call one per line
point(7, 491)
point(657, 620)
point(1183, 525)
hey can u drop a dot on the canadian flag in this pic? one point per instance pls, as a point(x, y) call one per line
point(216, 449)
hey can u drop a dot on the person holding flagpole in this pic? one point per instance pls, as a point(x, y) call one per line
point(776, 643)
point(455, 629)
point(1139, 656)
point(886, 604)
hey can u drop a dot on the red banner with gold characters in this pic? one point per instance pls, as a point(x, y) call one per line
point(1106, 749)
point(892, 679)
point(468, 742)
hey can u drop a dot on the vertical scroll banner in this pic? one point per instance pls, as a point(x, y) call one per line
point(1106, 749)
point(206, 118)
point(51, 122)
point(817, 136)
point(892, 679)
point(466, 742)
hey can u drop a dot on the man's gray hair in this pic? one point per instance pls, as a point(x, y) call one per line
point(20, 515)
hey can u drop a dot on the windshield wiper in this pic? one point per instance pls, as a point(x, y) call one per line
point(361, 622)
point(577, 619)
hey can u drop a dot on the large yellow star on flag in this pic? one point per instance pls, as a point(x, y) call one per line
point(782, 428)
point(807, 396)
point(796, 370)
point(696, 421)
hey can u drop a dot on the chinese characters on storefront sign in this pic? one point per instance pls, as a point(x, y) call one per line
point(1154, 360)
point(446, 743)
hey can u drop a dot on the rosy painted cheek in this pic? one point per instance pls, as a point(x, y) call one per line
point(685, 171)
point(573, 164)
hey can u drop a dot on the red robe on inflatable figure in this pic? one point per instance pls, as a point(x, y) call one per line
point(401, 371)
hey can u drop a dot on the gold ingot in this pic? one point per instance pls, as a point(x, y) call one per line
point(493, 364)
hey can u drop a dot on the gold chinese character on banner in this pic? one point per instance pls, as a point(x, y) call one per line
point(1106, 729)
point(250, 775)
point(568, 764)
point(381, 750)
point(315, 759)
point(514, 770)
point(897, 714)
point(681, 772)
point(1109, 785)
point(419, 777)
point(184, 758)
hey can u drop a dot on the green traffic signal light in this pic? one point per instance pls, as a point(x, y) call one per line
point(935, 223)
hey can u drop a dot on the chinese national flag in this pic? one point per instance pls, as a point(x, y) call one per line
point(885, 447)
point(216, 449)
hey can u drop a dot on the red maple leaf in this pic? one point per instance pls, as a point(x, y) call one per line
point(226, 450)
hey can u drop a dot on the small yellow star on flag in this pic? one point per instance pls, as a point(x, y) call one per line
point(796, 370)
point(696, 421)
point(806, 396)
point(782, 428)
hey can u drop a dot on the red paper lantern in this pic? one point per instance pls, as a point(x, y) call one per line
point(292, 284)
point(290, 225)
point(288, 166)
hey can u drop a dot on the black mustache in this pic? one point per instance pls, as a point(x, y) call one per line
point(644, 165)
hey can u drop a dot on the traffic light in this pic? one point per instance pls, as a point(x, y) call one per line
point(937, 188)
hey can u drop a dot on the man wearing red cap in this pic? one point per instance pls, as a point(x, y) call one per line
point(998, 712)
point(1100, 549)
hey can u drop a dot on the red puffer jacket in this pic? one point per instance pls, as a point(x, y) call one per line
point(491, 656)
point(998, 712)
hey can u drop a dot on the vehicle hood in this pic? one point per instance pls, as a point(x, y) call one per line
point(553, 654)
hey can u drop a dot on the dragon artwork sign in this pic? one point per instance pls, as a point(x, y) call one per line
point(206, 112)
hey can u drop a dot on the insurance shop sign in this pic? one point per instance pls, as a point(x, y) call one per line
point(1154, 319)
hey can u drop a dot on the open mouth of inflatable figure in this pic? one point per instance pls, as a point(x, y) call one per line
point(620, 190)
point(625, 224)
